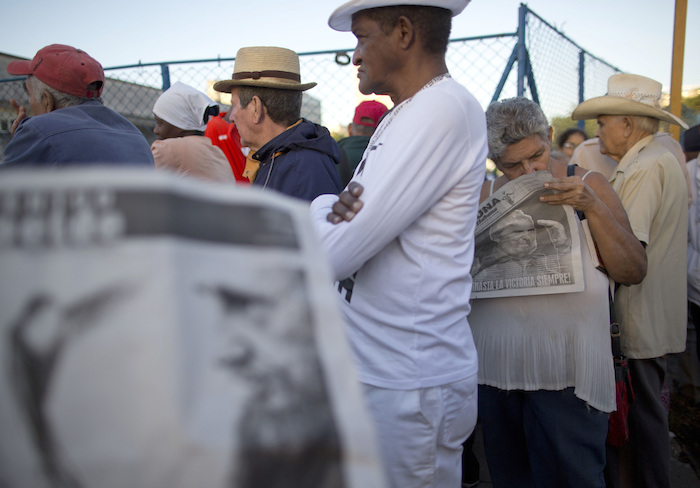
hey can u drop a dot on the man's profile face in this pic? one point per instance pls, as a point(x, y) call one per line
point(611, 136)
point(374, 55)
point(242, 118)
point(518, 243)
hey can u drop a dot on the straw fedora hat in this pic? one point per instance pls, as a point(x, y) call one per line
point(341, 19)
point(270, 67)
point(628, 95)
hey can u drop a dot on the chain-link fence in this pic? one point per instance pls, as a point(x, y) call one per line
point(536, 61)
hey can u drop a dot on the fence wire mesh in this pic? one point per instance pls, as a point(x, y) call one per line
point(564, 73)
point(479, 63)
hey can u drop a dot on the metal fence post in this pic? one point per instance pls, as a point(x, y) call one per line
point(522, 51)
point(165, 73)
point(581, 124)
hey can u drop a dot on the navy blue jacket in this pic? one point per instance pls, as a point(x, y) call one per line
point(84, 134)
point(300, 162)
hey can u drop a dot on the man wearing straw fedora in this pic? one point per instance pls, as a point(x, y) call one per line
point(287, 153)
point(652, 314)
point(402, 262)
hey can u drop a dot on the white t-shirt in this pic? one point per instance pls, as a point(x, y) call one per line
point(411, 246)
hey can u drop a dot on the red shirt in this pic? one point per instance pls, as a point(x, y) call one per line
point(225, 136)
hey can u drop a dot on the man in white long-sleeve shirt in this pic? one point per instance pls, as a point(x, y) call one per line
point(402, 262)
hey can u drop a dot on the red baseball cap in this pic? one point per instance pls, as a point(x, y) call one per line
point(370, 110)
point(65, 68)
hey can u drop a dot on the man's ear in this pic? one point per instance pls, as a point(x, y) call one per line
point(48, 102)
point(629, 125)
point(551, 135)
point(406, 32)
point(259, 110)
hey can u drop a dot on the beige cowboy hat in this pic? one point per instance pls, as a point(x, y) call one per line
point(628, 95)
point(270, 67)
point(341, 19)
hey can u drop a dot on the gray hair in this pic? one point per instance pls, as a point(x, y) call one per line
point(62, 100)
point(283, 106)
point(646, 124)
point(510, 121)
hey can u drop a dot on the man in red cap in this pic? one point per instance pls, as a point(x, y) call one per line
point(70, 125)
point(367, 115)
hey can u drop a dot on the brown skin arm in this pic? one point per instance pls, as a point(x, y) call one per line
point(485, 191)
point(623, 255)
point(486, 187)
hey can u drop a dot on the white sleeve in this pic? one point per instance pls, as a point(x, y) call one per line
point(423, 153)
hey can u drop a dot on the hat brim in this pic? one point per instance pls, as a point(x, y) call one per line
point(607, 105)
point(341, 18)
point(225, 86)
point(20, 68)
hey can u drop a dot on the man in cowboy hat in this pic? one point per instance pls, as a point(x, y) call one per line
point(403, 261)
point(287, 153)
point(588, 156)
point(70, 125)
point(652, 314)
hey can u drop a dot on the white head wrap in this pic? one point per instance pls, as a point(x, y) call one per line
point(183, 106)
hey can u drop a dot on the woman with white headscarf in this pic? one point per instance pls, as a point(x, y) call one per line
point(181, 114)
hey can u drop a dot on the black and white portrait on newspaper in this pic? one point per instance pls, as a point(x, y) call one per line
point(524, 246)
point(157, 331)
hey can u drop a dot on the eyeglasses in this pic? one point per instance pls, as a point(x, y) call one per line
point(570, 145)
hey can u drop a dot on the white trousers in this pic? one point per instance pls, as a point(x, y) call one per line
point(421, 432)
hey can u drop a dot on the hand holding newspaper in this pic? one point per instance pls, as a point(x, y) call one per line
point(524, 246)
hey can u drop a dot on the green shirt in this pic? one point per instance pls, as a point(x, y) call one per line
point(352, 148)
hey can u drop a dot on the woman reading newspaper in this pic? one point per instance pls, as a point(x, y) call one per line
point(546, 381)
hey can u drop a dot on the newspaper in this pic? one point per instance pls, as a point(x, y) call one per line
point(523, 246)
point(164, 332)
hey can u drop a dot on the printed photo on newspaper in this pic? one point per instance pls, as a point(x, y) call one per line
point(523, 246)
point(157, 331)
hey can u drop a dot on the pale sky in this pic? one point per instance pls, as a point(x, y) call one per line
point(636, 36)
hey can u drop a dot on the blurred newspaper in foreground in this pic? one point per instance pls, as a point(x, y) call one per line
point(524, 246)
point(163, 332)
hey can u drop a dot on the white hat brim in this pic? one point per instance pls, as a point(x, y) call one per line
point(607, 105)
point(341, 18)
